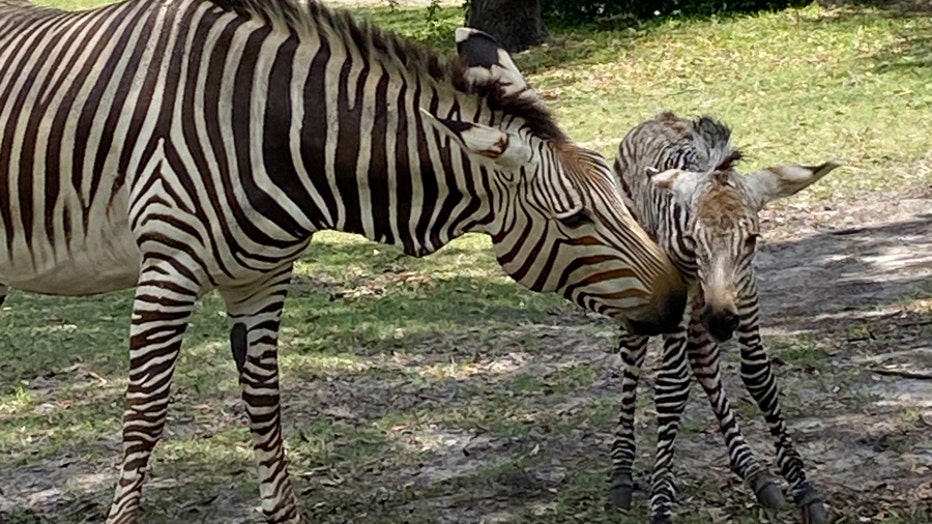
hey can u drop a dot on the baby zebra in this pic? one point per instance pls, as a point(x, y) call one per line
point(680, 183)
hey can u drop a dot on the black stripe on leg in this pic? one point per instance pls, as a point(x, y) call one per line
point(238, 345)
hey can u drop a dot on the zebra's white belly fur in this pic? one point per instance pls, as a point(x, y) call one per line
point(104, 258)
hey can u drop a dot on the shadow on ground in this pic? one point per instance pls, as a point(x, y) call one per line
point(499, 407)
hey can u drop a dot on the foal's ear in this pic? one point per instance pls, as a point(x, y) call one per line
point(488, 62)
point(682, 184)
point(776, 182)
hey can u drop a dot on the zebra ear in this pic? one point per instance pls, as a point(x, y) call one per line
point(487, 62)
point(677, 181)
point(772, 183)
point(503, 149)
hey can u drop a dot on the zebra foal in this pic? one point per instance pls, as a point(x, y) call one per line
point(679, 180)
point(185, 146)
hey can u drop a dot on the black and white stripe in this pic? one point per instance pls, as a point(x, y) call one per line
point(679, 181)
point(183, 146)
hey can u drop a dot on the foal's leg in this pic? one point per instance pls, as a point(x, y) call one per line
point(670, 395)
point(704, 360)
point(758, 377)
point(632, 349)
point(254, 313)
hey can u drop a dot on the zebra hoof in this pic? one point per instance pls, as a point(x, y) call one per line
point(813, 510)
point(771, 496)
point(621, 496)
point(661, 519)
point(815, 513)
point(767, 491)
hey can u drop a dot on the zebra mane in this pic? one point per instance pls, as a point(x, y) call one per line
point(715, 137)
point(375, 45)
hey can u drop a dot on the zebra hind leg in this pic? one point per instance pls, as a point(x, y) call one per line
point(632, 349)
point(163, 305)
point(3, 291)
point(704, 358)
point(757, 375)
point(255, 317)
point(670, 396)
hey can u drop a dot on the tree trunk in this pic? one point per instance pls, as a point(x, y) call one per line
point(517, 24)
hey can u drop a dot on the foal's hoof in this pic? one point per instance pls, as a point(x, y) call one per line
point(621, 495)
point(771, 496)
point(813, 509)
point(767, 491)
point(815, 513)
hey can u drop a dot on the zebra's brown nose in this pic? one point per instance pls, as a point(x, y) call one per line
point(720, 322)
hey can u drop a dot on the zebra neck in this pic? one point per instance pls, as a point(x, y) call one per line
point(376, 169)
point(342, 142)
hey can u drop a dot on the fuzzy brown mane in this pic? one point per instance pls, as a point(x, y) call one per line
point(377, 45)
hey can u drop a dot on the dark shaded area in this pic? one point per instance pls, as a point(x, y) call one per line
point(517, 24)
point(892, 7)
point(575, 12)
point(859, 268)
point(554, 448)
point(913, 51)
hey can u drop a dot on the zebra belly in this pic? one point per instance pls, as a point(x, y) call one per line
point(105, 258)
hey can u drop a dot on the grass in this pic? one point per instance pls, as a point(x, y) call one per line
point(435, 389)
point(797, 86)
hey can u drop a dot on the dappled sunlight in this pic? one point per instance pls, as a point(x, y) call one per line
point(871, 271)
point(228, 443)
point(397, 365)
point(48, 427)
point(90, 482)
point(747, 70)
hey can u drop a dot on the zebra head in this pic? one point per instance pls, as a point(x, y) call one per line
point(723, 227)
point(556, 218)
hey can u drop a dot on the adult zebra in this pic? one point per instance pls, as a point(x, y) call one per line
point(680, 182)
point(183, 146)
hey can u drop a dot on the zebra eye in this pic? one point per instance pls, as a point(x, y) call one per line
point(576, 220)
point(751, 241)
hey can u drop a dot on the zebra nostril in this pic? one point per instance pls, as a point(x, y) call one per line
point(732, 320)
point(721, 324)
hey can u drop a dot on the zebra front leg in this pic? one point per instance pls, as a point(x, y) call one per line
point(670, 396)
point(632, 349)
point(164, 301)
point(704, 360)
point(255, 317)
point(758, 377)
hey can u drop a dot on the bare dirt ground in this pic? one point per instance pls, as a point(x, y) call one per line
point(855, 366)
point(847, 305)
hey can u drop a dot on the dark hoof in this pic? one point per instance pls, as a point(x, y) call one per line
point(661, 519)
point(767, 491)
point(771, 496)
point(813, 509)
point(814, 513)
point(621, 495)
